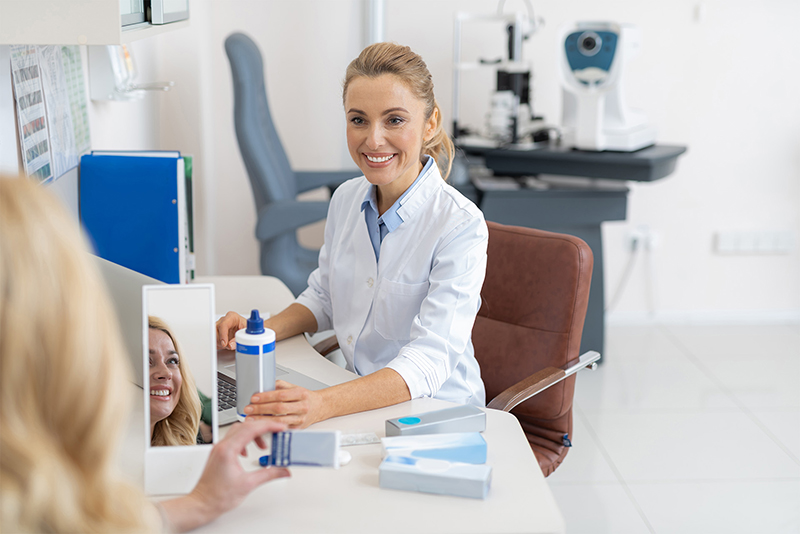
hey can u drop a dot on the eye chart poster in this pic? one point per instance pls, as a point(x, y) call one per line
point(51, 108)
point(31, 114)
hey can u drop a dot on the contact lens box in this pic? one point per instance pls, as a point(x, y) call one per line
point(304, 447)
point(463, 447)
point(465, 418)
point(435, 476)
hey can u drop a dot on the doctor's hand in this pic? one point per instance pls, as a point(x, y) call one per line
point(227, 327)
point(291, 405)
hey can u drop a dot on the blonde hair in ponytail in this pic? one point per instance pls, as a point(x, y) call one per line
point(390, 58)
point(64, 387)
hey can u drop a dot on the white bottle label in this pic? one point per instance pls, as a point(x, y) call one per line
point(255, 366)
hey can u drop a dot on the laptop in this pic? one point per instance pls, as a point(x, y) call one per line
point(226, 384)
point(125, 289)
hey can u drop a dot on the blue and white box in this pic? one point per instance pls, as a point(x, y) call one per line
point(304, 447)
point(435, 476)
point(465, 447)
point(465, 418)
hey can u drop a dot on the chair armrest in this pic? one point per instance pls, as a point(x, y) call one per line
point(527, 388)
point(308, 180)
point(326, 346)
point(286, 216)
point(538, 382)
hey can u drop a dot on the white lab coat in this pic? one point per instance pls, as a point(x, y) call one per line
point(414, 309)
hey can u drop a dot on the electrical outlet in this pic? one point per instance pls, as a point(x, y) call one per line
point(633, 240)
point(754, 242)
point(641, 238)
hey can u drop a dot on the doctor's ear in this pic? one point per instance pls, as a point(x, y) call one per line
point(431, 125)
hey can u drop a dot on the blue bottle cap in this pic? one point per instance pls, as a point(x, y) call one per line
point(255, 324)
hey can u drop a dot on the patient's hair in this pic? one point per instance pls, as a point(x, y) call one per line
point(181, 426)
point(63, 378)
point(390, 58)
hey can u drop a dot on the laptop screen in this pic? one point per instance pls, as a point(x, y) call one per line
point(125, 289)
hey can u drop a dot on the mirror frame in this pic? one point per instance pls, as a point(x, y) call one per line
point(176, 469)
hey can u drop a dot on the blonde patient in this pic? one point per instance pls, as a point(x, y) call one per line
point(175, 406)
point(62, 382)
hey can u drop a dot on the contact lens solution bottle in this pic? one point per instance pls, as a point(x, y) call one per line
point(255, 361)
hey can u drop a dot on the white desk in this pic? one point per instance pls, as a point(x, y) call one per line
point(349, 499)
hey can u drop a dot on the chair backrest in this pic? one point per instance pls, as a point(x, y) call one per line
point(533, 307)
point(271, 175)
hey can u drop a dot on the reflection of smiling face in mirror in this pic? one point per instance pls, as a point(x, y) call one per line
point(165, 376)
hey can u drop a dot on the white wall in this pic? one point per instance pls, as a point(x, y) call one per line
point(714, 75)
point(305, 45)
point(113, 125)
point(722, 83)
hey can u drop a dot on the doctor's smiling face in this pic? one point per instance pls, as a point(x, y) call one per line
point(165, 376)
point(386, 128)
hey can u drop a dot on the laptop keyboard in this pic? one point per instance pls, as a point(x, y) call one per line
point(226, 389)
point(226, 394)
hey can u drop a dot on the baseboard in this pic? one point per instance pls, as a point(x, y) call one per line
point(703, 317)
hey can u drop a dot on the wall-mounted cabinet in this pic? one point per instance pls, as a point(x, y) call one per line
point(74, 22)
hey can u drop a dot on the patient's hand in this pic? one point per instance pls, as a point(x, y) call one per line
point(227, 328)
point(224, 484)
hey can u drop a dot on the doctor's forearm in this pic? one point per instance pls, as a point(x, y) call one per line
point(294, 320)
point(381, 388)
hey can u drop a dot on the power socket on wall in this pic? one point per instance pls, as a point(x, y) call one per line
point(641, 237)
point(754, 242)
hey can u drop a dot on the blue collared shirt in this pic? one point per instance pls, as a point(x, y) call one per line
point(379, 226)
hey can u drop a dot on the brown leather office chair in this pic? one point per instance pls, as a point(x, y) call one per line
point(527, 335)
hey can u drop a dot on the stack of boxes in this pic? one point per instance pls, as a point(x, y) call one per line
point(437, 452)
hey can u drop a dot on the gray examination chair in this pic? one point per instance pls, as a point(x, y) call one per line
point(275, 185)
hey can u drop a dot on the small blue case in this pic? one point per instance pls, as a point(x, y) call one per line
point(465, 418)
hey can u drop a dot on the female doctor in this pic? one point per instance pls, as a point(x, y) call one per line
point(403, 262)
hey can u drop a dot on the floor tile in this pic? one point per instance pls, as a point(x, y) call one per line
point(687, 429)
point(738, 342)
point(638, 343)
point(690, 446)
point(598, 509)
point(670, 382)
point(784, 425)
point(585, 462)
point(732, 507)
point(761, 382)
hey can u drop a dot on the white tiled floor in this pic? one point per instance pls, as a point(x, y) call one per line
point(686, 429)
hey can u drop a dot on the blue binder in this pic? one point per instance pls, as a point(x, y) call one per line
point(133, 206)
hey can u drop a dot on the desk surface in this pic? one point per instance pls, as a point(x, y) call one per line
point(349, 499)
point(645, 165)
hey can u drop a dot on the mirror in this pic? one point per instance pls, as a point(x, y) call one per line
point(180, 394)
